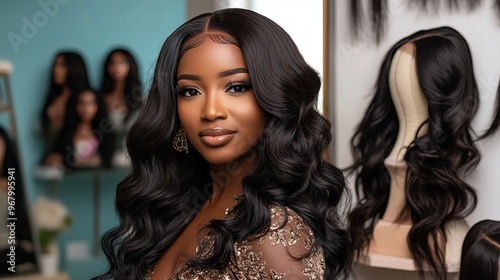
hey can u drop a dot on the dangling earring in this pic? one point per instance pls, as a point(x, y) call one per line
point(180, 141)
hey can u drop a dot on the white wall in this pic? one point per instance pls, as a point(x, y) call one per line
point(303, 20)
point(356, 65)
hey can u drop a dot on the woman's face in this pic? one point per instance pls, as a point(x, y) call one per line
point(216, 102)
point(86, 108)
point(118, 67)
point(60, 70)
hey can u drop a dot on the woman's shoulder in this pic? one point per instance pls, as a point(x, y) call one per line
point(286, 249)
point(288, 229)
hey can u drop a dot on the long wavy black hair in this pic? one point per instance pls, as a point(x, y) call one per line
point(133, 86)
point(76, 79)
point(165, 188)
point(101, 127)
point(481, 252)
point(378, 10)
point(437, 161)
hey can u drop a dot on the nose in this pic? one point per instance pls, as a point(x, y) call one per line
point(213, 108)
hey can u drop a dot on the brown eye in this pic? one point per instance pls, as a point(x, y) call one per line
point(239, 88)
point(187, 92)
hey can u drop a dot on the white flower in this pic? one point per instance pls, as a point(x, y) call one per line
point(49, 214)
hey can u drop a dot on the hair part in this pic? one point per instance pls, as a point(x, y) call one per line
point(481, 252)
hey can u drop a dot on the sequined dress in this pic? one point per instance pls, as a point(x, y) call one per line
point(284, 252)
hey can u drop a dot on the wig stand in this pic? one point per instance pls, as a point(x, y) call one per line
point(388, 246)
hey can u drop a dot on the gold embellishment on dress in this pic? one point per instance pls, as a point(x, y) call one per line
point(250, 263)
point(276, 276)
point(315, 265)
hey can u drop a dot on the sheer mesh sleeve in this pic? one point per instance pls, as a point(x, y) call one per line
point(285, 252)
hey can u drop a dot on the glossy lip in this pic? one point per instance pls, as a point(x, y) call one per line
point(217, 136)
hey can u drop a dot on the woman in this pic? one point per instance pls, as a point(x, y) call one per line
point(87, 139)
point(228, 178)
point(69, 76)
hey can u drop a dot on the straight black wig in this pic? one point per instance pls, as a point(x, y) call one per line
point(435, 191)
point(165, 189)
point(133, 86)
point(76, 80)
point(101, 127)
point(378, 10)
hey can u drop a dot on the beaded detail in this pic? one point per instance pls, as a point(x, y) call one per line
point(285, 250)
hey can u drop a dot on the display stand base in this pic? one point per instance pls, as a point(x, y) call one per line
point(387, 255)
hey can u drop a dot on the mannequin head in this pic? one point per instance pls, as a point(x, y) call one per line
point(86, 106)
point(60, 70)
point(481, 252)
point(121, 67)
point(69, 70)
point(437, 161)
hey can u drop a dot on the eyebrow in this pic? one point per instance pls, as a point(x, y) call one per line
point(220, 75)
point(232, 72)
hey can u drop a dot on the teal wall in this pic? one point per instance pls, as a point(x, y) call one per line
point(31, 33)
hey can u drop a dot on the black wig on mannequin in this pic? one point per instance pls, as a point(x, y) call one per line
point(101, 128)
point(377, 13)
point(481, 252)
point(437, 161)
point(165, 189)
point(133, 87)
point(76, 80)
